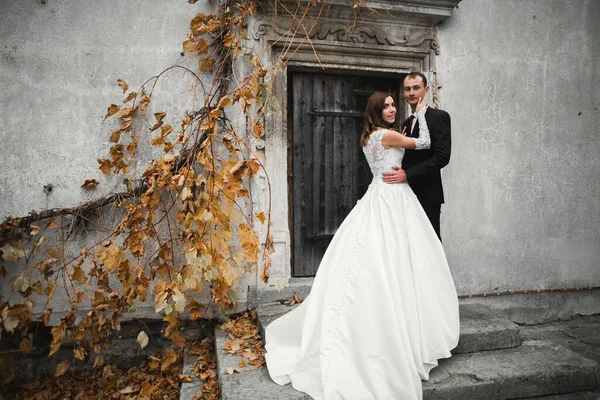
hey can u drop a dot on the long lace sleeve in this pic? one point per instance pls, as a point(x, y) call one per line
point(424, 140)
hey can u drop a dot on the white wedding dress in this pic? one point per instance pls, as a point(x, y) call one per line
point(382, 309)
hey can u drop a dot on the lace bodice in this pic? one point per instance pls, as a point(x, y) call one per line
point(382, 160)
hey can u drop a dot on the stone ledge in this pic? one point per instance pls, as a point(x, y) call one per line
point(480, 329)
point(189, 390)
point(569, 396)
point(247, 382)
point(270, 295)
point(483, 330)
point(536, 368)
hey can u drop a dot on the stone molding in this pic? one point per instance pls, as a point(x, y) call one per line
point(397, 39)
point(340, 32)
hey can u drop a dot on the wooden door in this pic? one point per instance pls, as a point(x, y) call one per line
point(329, 171)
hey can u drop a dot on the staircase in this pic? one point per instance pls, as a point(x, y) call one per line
point(490, 362)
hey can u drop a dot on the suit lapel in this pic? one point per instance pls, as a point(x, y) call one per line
point(415, 131)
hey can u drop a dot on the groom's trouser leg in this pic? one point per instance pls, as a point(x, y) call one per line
point(433, 213)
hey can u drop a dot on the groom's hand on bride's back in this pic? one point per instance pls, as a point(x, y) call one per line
point(397, 176)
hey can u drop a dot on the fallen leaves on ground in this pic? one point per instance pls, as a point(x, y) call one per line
point(245, 339)
point(105, 382)
point(294, 300)
point(206, 369)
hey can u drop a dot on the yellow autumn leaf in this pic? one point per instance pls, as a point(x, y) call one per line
point(79, 353)
point(257, 130)
point(142, 339)
point(78, 275)
point(156, 126)
point(77, 297)
point(197, 23)
point(58, 335)
point(206, 64)
point(238, 169)
point(169, 359)
point(144, 103)
point(189, 46)
point(127, 112)
point(20, 284)
point(115, 136)
point(130, 96)
point(186, 122)
point(214, 24)
point(280, 284)
point(185, 378)
point(44, 266)
point(126, 122)
point(127, 390)
point(89, 184)
point(261, 217)
point(224, 102)
point(34, 230)
point(179, 299)
point(253, 166)
point(122, 85)
point(195, 309)
point(265, 274)
point(98, 362)
point(105, 165)
point(10, 323)
point(26, 345)
point(229, 39)
point(186, 193)
point(190, 283)
point(157, 141)
point(165, 130)
point(201, 46)
point(112, 110)
point(160, 115)
point(61, 368)
point(14, 253)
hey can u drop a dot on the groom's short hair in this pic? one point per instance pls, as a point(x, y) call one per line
point(417, 74)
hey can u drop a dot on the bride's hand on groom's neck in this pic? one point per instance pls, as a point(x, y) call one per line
point(421, 104)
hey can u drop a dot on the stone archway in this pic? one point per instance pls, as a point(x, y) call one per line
point(398, 39)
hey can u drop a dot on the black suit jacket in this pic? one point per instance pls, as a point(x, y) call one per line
point(423, 166)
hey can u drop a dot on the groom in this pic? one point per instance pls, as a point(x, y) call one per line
point(421, 168)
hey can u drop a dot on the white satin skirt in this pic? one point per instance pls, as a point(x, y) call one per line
point(382, 310)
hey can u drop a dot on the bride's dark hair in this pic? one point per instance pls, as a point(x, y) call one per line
point(373, 116)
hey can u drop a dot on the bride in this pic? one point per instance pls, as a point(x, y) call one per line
point(383, 308)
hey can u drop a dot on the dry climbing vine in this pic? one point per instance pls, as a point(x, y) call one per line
point(180, 229)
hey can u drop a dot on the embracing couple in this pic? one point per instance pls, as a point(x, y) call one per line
point(383, 308)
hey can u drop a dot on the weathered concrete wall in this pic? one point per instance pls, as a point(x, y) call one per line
point(59, 65)
point(521, 80)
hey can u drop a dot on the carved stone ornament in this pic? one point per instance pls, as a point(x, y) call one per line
point(335, 31)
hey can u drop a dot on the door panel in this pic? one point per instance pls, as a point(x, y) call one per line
point(329, 172)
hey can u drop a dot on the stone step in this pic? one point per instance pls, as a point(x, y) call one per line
point(480, 328)
point(483, 330)
point(569, 396)
point(536, 368)
point(248, 382)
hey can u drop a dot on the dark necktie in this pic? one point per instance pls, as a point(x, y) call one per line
point(409, 125)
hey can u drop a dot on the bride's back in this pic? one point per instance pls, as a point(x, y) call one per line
point(379, 158)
